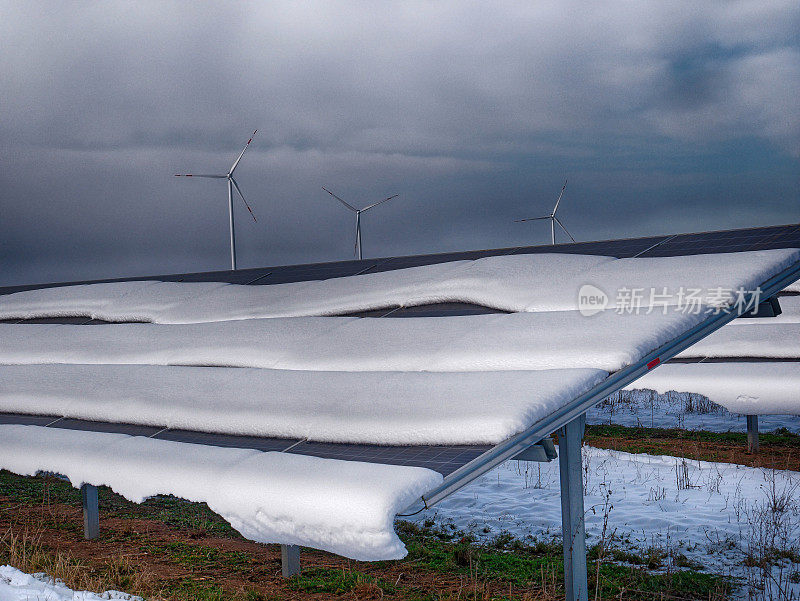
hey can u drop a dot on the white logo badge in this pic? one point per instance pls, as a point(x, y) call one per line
point(591, 300)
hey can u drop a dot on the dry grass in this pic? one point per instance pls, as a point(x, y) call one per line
point(25, 551)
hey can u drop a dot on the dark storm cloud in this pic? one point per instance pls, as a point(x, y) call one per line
point(664, 116)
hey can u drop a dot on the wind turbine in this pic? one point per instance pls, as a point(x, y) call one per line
point(231, 185)
point(358, 216)
point(553, 219)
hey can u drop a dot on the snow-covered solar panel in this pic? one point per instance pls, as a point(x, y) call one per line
point(749, 387)
point(346, 507)
point(761, 238)
point(751, 366)
point(596, 355)
point(443, 459)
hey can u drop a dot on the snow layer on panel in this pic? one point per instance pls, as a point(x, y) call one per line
point(371, 407)
point(747, 388)
point(519, 341)
point(536, 282)
point(19, 586)
point(345, 507)
point(774, 341)
point(66, 301)
point(414, 285)
point(110, 301)
point(502, 282)
point(670, 275)
point(243, 343)
point(790, 313)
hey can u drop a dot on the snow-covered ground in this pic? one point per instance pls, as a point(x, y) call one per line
point(711, 513)
point(645, 408)
point(18, 586)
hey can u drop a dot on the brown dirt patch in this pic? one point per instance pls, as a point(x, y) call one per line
point(769, 456)
point(241, 569)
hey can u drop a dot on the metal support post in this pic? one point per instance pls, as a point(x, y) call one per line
point(290, 560)
point(91, 512)
point(230, 218)
point(572, 515)
point(752, 434)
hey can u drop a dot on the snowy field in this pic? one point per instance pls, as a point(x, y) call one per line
point(715, 514)
point(18, 586)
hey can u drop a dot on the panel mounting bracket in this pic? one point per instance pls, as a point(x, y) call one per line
point(769, 307)
point(543, 451)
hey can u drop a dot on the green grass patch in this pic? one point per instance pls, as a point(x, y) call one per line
point(167, 509)
point(780, 437)
point(528, 565)
point(191, 590)
point(202, 557)
point(37, 490)
point(337, 581)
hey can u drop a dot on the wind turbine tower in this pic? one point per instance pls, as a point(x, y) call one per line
point(358, 216)
point(553, 219)
point(231, 185)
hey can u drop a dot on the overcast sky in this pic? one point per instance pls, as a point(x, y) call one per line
point(665, 116)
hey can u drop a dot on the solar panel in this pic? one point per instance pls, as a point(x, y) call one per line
point(444, 459)
point(227, 440)
point(26, 420)
point(611, 248)
point(419, 260)
point(62, 320)
point(432, 310)
point(77, 321)
point(106, 427)
point(240, 276)
point(734, 360)
point(728, 241)
point(320, 271)
point(760, 238)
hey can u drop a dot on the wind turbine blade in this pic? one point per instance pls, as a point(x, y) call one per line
point(193, 175)
point(349, 206)
point(375, 204)
point(533, 219)
point(555, 208)
point(563, 228)
point(236, 162)
point(235, 185)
